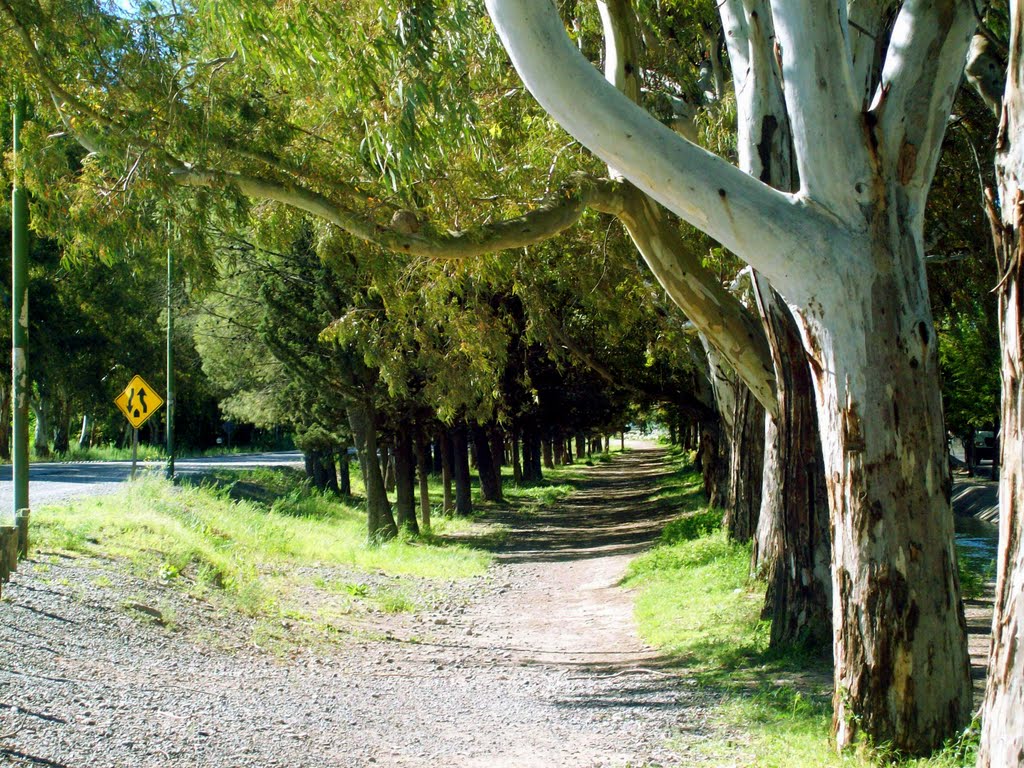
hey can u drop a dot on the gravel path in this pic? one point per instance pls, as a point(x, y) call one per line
point(537, 664)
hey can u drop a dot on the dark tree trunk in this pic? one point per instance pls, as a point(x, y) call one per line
point(344, 474)
point(405, 502)
point(62, 435)
point(438, 461)
point(422, 472)
point(463, 487)
point(497, 435)
point(547, 447)
point(713, 465)
point(581, 446)
point(320, 469)
point(746, 466)
point(388, 454)
point(380, 522)
point(330, 470)
point(532, 451)
point(607, 444)
point(517, 467)
point(800, 596)
point(447, 471)
point(490, 477)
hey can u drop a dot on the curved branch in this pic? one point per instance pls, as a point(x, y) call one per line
point(561, 211)
point(766, 228)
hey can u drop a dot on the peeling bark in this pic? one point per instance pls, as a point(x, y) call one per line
point(1002, 716)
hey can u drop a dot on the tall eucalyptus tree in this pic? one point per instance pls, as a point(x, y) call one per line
point(846, 252)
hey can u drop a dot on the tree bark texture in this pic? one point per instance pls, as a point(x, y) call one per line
point(746, 465)
point(380, 522)
point(902, 673)
point(447, 471)
point(547, 447)
point(713, 460)
point(801, 591)
point(767, 544)
point(460, 471)
point(344, 474)
point(405, 500)
point(490, 475)
point(423, 475)
point(1002, 720)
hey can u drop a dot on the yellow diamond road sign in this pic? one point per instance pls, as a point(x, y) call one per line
point(138, 402)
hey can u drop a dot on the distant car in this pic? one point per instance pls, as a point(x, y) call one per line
point(985, 447)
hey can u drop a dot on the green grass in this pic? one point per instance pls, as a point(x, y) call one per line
point(696, 602)
point(242, 553)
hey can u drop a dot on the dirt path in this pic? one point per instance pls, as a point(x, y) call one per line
point(540, 666)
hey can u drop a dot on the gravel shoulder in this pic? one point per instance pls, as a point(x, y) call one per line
point(536, 664)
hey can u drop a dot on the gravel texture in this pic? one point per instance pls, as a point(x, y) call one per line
point(536, 664)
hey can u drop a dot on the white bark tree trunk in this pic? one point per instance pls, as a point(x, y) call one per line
point(1002, 734)
point(845, 251)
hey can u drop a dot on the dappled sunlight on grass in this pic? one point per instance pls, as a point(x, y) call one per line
point(697, 603)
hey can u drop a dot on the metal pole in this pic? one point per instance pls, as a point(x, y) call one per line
point(170, 359)
point(135, 450)
point(19, 322)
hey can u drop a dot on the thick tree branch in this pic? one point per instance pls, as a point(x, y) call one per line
point(717, 314)
point(922, 69)
point(824, 110)
point(561, 211)
point(867, 26)
point(765, 140)
point(725, 322)
point(778, 233)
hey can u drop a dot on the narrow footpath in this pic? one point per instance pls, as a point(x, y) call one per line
point(539, 665)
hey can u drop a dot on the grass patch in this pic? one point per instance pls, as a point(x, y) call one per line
point(242, 553)
point(696, 602)
point(975, 574)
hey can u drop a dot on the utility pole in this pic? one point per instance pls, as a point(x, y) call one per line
point(19, 331)
point(170, 357)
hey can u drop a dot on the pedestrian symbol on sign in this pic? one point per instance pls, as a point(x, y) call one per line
point(138, 401)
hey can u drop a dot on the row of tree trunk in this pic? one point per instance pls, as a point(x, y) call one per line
point(399, 457)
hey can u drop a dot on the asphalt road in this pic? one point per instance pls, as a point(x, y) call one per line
point(51, 482)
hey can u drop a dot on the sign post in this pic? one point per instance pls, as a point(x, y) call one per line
point(20, 387)
point(170, 360)
point(138, 401)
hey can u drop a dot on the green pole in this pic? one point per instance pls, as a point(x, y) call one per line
point(19, 322)
point(170, 359)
